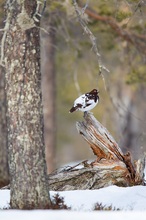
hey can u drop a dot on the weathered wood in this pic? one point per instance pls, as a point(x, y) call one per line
point(102, 143)
point(111, 166)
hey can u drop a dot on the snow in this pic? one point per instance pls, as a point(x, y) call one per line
point(130, 200)
point(4, 198)
point(70, 215)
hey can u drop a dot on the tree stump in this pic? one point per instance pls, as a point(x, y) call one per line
point(111, 166)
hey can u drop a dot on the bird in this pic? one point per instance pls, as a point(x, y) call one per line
point(86, 102)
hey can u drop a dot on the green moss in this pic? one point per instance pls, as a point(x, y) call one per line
point(55, 6)
point(137, 28)
point(136, 76)
point(105, 9)
point(121, 15)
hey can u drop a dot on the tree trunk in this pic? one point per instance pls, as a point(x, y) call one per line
point(49, 92)
point(4, 173)
point(111, 166)
point(21, 59)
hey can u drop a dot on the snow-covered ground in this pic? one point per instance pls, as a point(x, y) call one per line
point(71, 215)
point(131, 200)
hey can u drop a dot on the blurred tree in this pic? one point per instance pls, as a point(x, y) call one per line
point(48, 41)
point(20, 55)
point(119, 27)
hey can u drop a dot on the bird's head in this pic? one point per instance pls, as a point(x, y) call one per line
point(94, 91)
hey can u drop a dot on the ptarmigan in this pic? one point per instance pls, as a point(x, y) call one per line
point(86, 102)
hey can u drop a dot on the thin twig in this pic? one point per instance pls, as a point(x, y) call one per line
point(84, 8)
point(91, 37)
point(44, 7)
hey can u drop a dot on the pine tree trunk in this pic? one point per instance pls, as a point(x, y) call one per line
point(28, 184)
point(4, 173)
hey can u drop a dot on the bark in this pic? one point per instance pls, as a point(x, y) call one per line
point(21, 59)
point(4, 173)
point(48, 92)
point(111, 166)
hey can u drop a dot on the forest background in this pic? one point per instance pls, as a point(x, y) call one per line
point(120, 31)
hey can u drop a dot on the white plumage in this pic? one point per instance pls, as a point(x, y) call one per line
point(86, 102)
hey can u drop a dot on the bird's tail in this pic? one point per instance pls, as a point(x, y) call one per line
point(73, 109)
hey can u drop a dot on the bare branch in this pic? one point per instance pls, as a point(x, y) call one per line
point(84, 8)
point(44, 6)
point(90, 35)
